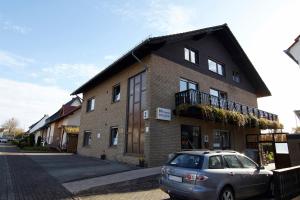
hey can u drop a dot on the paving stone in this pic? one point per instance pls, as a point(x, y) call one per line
point(23, 179)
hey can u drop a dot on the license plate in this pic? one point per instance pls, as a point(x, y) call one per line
point(175, 178)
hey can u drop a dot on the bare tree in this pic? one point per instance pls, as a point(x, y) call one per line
point(10, 125)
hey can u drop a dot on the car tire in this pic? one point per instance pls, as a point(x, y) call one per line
point(226, 194)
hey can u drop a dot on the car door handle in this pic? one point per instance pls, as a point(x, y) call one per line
point(231, 173)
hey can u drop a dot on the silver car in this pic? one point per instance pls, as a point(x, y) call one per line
point(225, 175)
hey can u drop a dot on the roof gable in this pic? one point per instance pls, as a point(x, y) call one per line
point(222, 32)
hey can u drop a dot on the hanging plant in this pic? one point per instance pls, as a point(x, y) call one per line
point(236, 118)
point(220, 115)
point(252, 121)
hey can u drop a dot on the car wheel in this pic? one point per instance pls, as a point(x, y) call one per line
point(226, 194)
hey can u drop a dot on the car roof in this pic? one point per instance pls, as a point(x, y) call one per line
point(209, 152)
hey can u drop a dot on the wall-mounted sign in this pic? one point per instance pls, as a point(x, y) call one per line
point(147, 129)
point(98, 135)
point(146, 114)
point(205, 138)
point(163, 114)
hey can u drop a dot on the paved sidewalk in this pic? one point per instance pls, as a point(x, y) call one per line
point(78, 186)
point(23, 179)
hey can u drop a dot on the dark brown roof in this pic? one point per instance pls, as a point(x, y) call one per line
point(222, 32)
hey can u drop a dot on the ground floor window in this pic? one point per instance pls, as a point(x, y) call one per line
point(114, 136)
point(87, 138)
point(190, 137)
point(221, 139)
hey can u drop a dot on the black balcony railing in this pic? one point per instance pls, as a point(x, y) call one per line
point(193, 97)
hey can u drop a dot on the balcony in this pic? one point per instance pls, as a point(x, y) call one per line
point(195, 97)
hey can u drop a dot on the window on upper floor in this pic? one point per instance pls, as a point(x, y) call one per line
point(216, 67)
point(191, 55)
point(218, 98)
point(116, 93)
point(236, 76)
point(218, 93)
point(90, 106)
point(186, 85)
point(114, 136)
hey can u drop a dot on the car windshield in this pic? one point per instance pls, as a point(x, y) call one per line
point(187, 161)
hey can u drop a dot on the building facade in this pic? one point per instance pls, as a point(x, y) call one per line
point(155, 99)
point(62, 127)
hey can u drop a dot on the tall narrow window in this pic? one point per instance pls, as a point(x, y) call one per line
point(116, 94)
point(191, 55)
point(87, 138)
point(216, 67)
point(90, 106)
point(114, 136)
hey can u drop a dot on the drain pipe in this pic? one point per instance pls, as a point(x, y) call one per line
point(143, 64)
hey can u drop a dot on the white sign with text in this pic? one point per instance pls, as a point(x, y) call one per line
point(163, 114)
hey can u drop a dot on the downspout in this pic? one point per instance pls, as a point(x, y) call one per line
point(143, 64)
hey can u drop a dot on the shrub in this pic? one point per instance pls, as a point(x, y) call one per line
point(31, 140)
point(39, 140)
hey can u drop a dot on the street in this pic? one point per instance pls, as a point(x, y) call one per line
point(26, 177)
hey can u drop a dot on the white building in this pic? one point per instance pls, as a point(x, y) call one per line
point(36, 128)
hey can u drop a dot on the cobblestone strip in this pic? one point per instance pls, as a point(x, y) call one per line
point(6, 189)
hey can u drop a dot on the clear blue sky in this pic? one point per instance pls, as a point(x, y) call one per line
point(49, 48)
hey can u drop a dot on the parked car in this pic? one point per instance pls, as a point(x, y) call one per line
point(3, 140)
point(223, 175)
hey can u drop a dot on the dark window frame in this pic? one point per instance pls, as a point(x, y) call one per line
point(195, 51)
point(187, 83)
point(87, 138)
point(236, 76)
point(186, 127)
point(89, 104)
point(219, 93)
point(114, 100)
point(222, 146)
point(217, 69)
point(111, 142)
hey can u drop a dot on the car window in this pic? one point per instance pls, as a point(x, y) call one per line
point(231, 161)
point(215, 162)
point(247, 163)
point(187, 161)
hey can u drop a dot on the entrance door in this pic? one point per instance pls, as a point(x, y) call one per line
point(72, 141)
point(136, 105)
point(190, 137)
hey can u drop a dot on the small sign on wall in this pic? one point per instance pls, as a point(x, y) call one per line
point(205, 138)
point(163, 114)
point(98, 135)
point(146, 114)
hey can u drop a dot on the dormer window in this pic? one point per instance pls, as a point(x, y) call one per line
point(216, 67)
point(236, 76)
point(191, 55)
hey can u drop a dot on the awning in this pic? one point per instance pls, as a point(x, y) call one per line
point(71, 129)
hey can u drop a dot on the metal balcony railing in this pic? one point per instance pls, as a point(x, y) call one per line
point(193, 97)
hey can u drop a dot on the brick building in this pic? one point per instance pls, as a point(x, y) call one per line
point(191, 90)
